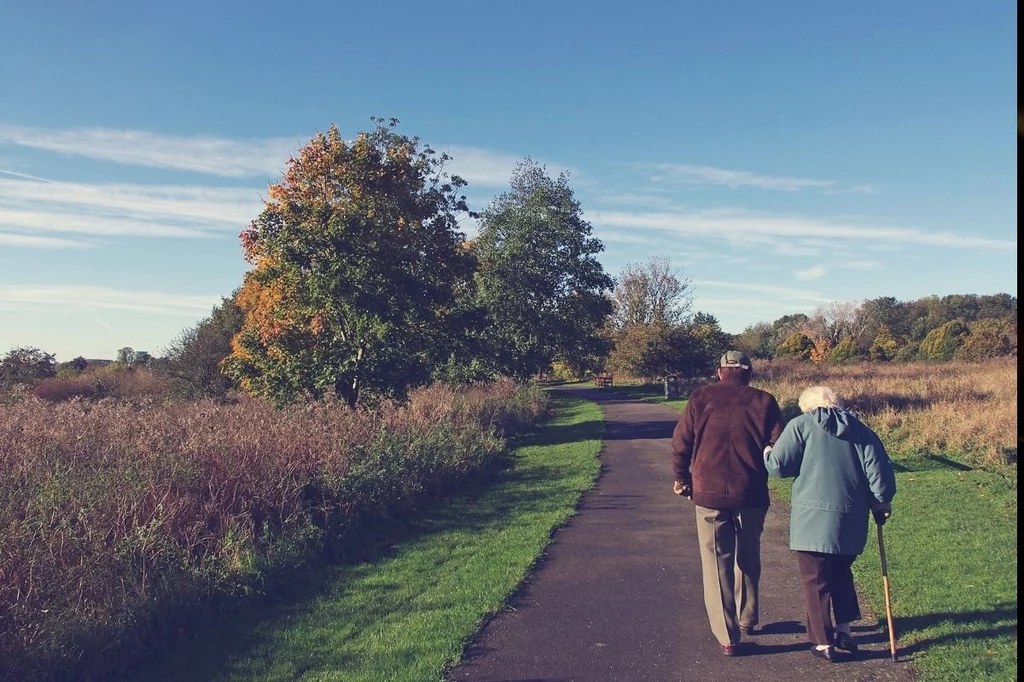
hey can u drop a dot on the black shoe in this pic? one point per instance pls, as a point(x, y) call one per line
point(827, 655)
point(845, 642)
point(748, 629)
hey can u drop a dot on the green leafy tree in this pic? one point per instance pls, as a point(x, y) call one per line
point(538, 277)
point(797, 346)
point(786, 326)
point(844, 352)
point(908, 352)
point(72, 368)
point(125, 356)
point(356, 265)
point(942, 342)
point(960, 306)
point(926, 314)
point(692, 348)
point(755, 340)
point(884, 346)
point(194, 360)
point(997, 305)
point(630, 349)
point(707, 345)
point(988, 338)
point(26, 366)
point(650, 352)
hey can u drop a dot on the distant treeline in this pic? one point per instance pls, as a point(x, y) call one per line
point(933, 328)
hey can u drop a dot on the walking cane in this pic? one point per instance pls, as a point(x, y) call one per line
point(888, 597)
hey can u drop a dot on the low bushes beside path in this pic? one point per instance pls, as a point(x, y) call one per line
point(122, 524)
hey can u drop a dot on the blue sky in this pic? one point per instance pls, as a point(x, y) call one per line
point(784, 155)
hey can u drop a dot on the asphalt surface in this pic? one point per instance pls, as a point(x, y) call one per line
point(617, 595)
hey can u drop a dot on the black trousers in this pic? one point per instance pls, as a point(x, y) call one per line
point(828, 587)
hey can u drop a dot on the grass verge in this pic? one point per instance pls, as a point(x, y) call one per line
point(407, 614)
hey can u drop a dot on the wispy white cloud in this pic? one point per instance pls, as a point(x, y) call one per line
point(235, 205)
point(37, 242)
point(745, 228)
point(753, 302)
point(817, 272)
point(124, 210)
point(487, 168)
point(481, 167)
point(711, 175)
point(640, 199)
point(860, 265)
point(770, 290)
point(854, 189)
point(97, 225)
point(26, 176)
point(200, 154)
point(81, 298)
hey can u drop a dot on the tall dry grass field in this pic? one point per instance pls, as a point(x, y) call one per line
point(966, 410)
point(117, 521)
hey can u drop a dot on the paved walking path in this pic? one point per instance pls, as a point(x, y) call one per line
point(617, 596)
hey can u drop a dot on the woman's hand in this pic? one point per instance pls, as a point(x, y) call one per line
point(881, 511)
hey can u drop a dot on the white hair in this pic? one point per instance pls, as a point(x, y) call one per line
point(818, 396)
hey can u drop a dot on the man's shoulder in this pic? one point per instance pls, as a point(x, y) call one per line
point(755, 399)
point(723, 388)
point(763, 393)
point(704, 392)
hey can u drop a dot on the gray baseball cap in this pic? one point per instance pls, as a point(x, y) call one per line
point(735, 358)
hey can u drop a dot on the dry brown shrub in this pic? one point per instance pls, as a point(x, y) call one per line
point(966, 408)
point(113, 514)
point(106, 382)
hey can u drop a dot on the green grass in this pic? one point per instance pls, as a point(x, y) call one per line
point(407, 614)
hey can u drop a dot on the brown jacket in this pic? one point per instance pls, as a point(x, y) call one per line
point(719, 442)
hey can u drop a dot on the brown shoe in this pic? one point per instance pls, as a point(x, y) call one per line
point(827, 655)
point(747, 630)
point(730, 649)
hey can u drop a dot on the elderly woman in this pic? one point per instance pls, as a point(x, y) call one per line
point(841, 472)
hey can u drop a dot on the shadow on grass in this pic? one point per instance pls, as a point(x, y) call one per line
point(919, 461)
point(1000, 621)
point(561, 434)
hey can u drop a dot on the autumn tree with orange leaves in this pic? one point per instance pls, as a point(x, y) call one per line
point(356, 259)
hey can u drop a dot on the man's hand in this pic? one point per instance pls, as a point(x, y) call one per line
point(881, 511)
point(684, 489)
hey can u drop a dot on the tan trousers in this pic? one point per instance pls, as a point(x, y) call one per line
point(730, 557)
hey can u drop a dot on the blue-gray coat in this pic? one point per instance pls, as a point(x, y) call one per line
point(841, 467)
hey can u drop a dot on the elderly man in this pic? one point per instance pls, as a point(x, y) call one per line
point(717, 458)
